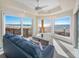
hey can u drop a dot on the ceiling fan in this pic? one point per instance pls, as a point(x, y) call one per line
point(38, 7)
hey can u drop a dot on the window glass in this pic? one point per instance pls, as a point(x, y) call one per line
point(47, 25)
point(39, 25)
point(13, 25)
point(27, 27)
point(62, 26)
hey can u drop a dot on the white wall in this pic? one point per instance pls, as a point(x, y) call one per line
point(1, 28)
point(65, 13)
point(0, 22)
point(76, 8)
point(35, 24)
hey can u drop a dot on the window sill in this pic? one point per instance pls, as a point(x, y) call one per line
point(67, 39)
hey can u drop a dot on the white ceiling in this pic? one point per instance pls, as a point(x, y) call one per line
point(33, 3)
point(53, 6)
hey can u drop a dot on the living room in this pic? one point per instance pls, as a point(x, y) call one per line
point(52, 29)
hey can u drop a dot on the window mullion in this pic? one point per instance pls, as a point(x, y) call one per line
point(21, 21)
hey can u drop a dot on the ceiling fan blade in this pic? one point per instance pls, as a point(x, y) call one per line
point(37, 1)
point(40, 7)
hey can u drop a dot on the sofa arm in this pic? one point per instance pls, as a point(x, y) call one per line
point(48, 52)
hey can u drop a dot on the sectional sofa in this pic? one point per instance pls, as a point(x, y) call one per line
point(16, 46)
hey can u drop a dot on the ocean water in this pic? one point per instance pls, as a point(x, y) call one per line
point(19, 24)
point(56, 27)
point(61, 27)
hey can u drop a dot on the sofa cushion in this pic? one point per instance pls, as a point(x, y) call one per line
point(8, 35)
point(38, 50)
point(17, 39)
point(48, 51)
point(29, 48)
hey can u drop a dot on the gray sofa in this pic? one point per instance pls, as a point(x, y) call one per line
point(15, 46)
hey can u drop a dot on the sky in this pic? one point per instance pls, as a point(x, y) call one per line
point(58, 21)
point(16, 20)
point(28, 20)
point(63, 20)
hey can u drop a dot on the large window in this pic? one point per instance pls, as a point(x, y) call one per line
point(46, 23)
point(62, 26)
point(13, 25)
point(19, 26)
point(27, 27)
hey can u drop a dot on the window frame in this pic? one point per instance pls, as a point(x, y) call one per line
point(62, 36)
